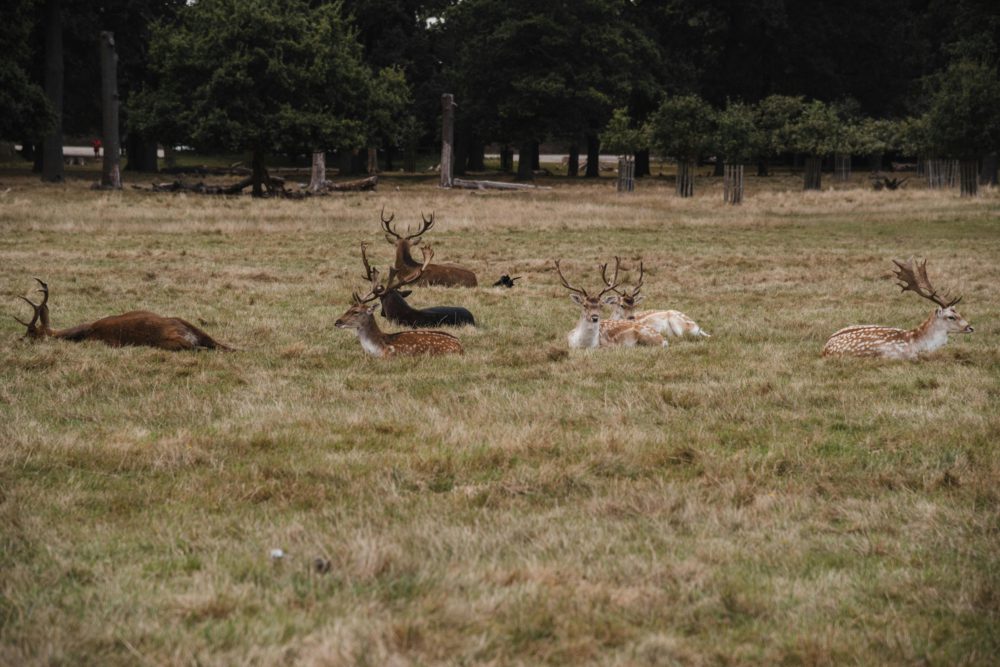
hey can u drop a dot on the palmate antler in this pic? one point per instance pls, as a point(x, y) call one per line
point(913, 278)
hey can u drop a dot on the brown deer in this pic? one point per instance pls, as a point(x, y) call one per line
point(361, 317)
point(871, 340)
point(436, 274)
point(667, 323)
point(591, 332)
point(138, 327)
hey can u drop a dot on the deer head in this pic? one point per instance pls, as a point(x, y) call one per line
point(409, 240)
point(590, 305)
point(39, 325)
point(623, 302)
point(913, 278)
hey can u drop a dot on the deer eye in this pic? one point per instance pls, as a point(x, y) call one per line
point(951, 317)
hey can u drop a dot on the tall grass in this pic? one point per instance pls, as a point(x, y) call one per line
point(735, 500)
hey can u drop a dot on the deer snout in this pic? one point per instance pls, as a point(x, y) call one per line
point(594, 318)
point(340, 324)
point(968, 329)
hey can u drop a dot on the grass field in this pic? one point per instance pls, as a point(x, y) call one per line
point(730, 501)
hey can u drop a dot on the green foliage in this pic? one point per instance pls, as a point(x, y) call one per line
point(775, 116)
point(683, 127)
point(818, 130)
point(874, 136)
point(25, 112)
point(264, 75)
point(913, 136)
point(621, 136)
point(738, 138)
point(964, 116)
point(388, 117)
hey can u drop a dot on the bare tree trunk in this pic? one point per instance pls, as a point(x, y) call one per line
point(988, 176)
point(477, 155)
point(732, 190)
point(447, 138)
point(372, 160)
point(524, 170)
point(258, 174)
point(813, 174)
point(573, 167)
point(685, 179)
point(763, 167)
point(593, 157)
point(718, 169)
point(52, 144)
point(969, 177)
point(506, 158)
point(317, 180)
point(642, 163)
point(142, 154)
point(626, 174)
point(111, 174)
point(535, 162)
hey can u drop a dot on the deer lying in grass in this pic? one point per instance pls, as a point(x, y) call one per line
point(664, 322)
point(871, 340)
point(138, 327)
point(360, 316)
point(435, 274)
point(394, 306)
point(591, 331)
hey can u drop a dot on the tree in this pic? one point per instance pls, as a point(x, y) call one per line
point(682, 128)
point(262, 75)
point(25, 112)
point(875, 137)
point(621, 136)
point(775, 116)
point(738, 141)
point(964, 117)
point(816, 132)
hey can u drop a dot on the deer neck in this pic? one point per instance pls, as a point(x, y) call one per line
point(404, 258)
point(394, 305)
point(930, 335)
point(371, 337)
point(587, 333)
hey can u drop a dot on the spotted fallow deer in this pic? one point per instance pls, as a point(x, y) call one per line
point(361, 317)
point(667, 323)
point(138, 327)
point(435, 274)
point(870, 340)
point(591, 331)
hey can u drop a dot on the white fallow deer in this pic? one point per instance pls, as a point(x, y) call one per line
point(869, 340)
point(665, 322)
point(361, 317)
point(591, 331)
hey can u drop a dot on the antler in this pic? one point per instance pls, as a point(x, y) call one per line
point(611, 285)
point(392, 283)
point(385, 223)
point(427, 224)
point(913, 278)
point(638, 285)
point(41, 309)
point(581, 292)
point(371, 274)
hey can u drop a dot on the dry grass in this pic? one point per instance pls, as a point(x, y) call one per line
point(730, 501)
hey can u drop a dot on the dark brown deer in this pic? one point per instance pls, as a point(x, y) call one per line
point(360, 317)
point(138, 327)
point(394, 306)
point(450, 275)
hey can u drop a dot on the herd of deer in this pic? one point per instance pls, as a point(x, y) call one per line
point(626, 328)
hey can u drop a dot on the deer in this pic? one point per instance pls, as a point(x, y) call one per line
point(667, 323)
point(449, 275)
point(393, 301)
point(138, 327)
point(360, 317)
point(592, 332)
point(870, 340)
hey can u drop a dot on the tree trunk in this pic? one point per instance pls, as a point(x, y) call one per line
point(642, 163)
point(988, 176)
point(969, 177)
point(732, 190)
point(410, 157)
point(875, 162)
point(524, 170)
point(447, 138)
point(813, 174)
point(477, 155)
point(52, 144)
point(685, 179)
point(317, 180)
point(372, 160)
point(142, 154)
point(111, 174)
point(258, 174)
point(718, 169)
point(573, 166)
point(593, 157)
point(506, 158)
point(535, 163)
point(763, 167)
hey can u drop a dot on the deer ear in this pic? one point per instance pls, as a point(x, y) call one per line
point(404, 293)
point(939, 311)
point(576, 298)
point(610, 300)
point(638, 298)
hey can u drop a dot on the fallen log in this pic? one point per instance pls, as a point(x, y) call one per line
point(494, 185)
point(359, 185)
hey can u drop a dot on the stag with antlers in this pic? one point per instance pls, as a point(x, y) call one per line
point(591, 331)
point(435, 274)
point(394, 306)
point(667, 323)
point(890, 343)
point(138, 327)
point(360, 317)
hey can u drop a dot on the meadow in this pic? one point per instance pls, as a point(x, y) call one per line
point(736, 500)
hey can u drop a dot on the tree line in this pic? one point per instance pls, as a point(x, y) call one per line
point(742, 80)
